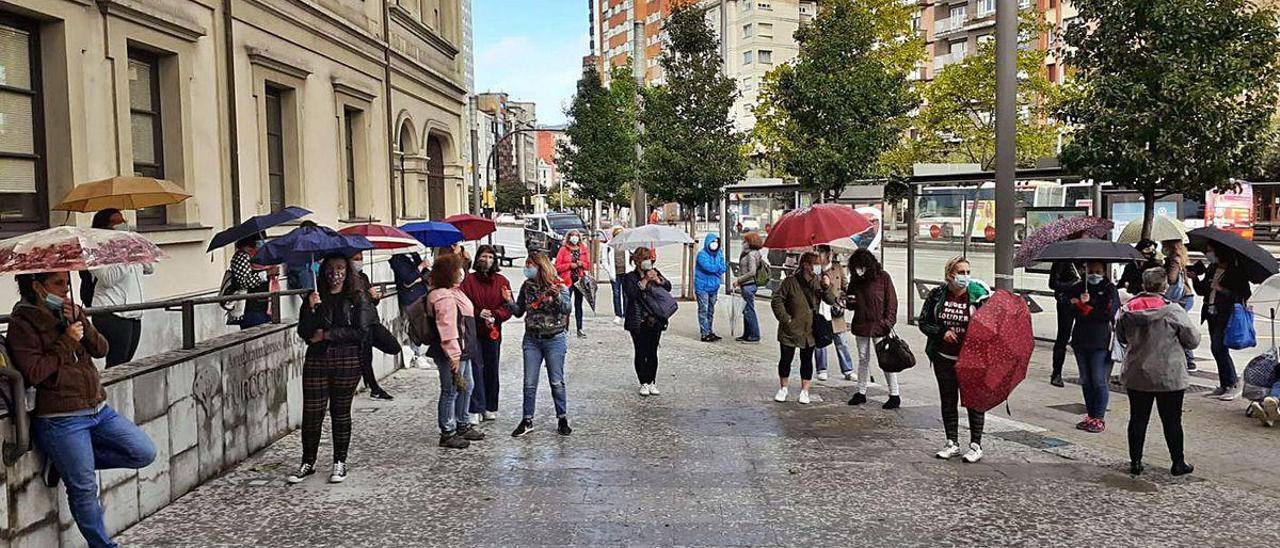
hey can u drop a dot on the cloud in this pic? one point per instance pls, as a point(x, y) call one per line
point(543, 70)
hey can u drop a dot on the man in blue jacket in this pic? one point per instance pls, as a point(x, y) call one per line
point(708, 271)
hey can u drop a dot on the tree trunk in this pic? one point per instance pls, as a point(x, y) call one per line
point(1148, 212)
point(690, 257)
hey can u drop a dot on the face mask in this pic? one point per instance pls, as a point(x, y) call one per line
point(530, 272)
point(1211, 257)
point(646, 265)
point(574, 240)
point(1094, 279)
point(816, 269)
point(715, 246)
point(53, 302)
point(961, 280)
point(358, 266)
point(335, 278)
point(860, 271)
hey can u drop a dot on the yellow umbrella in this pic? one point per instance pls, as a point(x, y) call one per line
point(1163, 228)
point(122, 193)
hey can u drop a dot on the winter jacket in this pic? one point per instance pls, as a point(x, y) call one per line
point(455, 319)
point(749, 264)
point(1062, 278)
point(933, 328)
point(343, 320)
point(485, 293)
point(794, 304)
point(1155, 333)
point(545, 310)
point(710, 267)
point(60, 368)
point(1131, 278)
point(637, 315)
point(411, 283)
point(839, 282)
point(1234, 289)
point(608, 261)
point(873, 305)
point(1092, 330)
point(564, 258)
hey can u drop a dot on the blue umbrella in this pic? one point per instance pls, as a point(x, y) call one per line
point(305, 244)
point(433, 233)
point(255, 225)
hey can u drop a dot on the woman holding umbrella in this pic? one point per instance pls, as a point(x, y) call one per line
point(116, 285)
point(485, 287)
point(1223, 284)
point(645, 327)
point(1094, 305)
point(573, 261)
point(794, 305)
point(330, 322)
point(944, 320)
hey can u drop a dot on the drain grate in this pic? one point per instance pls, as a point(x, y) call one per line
point(1031, 439)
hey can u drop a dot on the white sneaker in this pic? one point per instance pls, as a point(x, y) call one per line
point(822, 375)
point(804, 397)
point(476, 418)
point(951, 451)
point(421, 362)
point(617, 320)
point(1230, 395)
point(1256, 411)
point(849, 376)
point(339, 473)
point(974, 454)
point(653, 389)
point(644, 390)
point(490, 416)
point(781, 396)
point(1271, 408)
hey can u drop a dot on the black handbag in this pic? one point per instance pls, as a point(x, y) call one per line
point(894, 354)
point(823, 333)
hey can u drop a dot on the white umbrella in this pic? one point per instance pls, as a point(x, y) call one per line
point(649, 236)
point(1267, 297)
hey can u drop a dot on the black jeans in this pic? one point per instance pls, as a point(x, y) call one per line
point(806, 362)
point(122, 336)
point(949, 393)
point(366, 369)
point(1169, 405)
point(646, 342)
point(484, 373)
point(1066, 319)
point(577, 306)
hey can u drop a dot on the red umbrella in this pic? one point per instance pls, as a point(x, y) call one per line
point(997, 348)
point(815, 225)
point(382, 236)
point(473, 227)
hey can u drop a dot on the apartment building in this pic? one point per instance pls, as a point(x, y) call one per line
point(613, 24)
point(350, 108)
point(515, 157)
point(954, 29)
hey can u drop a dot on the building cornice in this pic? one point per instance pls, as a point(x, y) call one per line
point(168, 23)
point(269, 60)
point(434, 75)
point(346, 87)
point(422, 31)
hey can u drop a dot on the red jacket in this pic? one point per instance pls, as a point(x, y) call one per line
point(485, 293)
point(565, 257)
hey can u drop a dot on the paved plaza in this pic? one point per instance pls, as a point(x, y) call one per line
point(714, 461)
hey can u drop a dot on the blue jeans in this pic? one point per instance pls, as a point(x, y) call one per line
point(750, 322)
point(618, 310)
point(1275, 390)
point(254, 319)
point(842, 354)
point(452, 408)
point(77, 446)
point(1221, 354)
point(536, 352)
point(706, 311)
point(1095, 370)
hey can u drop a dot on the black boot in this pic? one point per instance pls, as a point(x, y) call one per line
point(1135, 468)
point(1181, 469)
point(1056, 380)
point(893, 403)
point(858, 399)
point(563, 428)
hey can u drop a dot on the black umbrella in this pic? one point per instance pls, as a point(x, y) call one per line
point(254, 225)
point(1257, 263)
point(1088, 250)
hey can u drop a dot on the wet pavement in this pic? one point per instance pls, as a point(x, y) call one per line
point(712, 461)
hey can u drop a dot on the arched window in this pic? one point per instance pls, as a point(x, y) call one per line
point(435, 177)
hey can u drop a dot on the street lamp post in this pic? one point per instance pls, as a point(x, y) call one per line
point(1006, 131)
point(492, 163)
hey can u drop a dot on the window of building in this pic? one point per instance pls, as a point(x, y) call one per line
point(349, 118)
point(765, 56)
point(958, 49)
point(958, 13)
point(146, 125)
point(275, 149)
point(764, 6)
point(986, 7)
point(766, 30)
point(747, 30)
point(23, 180)
point(747, 57)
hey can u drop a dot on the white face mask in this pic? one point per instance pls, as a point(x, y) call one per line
point(715, 246)
point(574, 240)
point(646, 265)
point(816, 269)
point(860, 271)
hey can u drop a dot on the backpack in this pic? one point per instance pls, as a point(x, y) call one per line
point(763, 275)
point(234, 309)
point(422, 322)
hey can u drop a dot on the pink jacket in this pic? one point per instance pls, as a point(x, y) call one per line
point(446, 304)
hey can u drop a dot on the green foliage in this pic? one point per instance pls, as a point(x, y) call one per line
point(1170, 94)
point(599, 157)
point(511, 197)
point(691, 149)
point(572, 198)
point(844, 102)
point(767, 141)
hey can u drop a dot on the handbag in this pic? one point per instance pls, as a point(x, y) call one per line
point(894, 354)
point(1239, 333)
point(659, 303)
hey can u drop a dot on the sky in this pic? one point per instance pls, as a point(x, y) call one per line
point(532, 50)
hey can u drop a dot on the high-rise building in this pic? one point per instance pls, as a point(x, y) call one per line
point(953, 30)
point(613, 23)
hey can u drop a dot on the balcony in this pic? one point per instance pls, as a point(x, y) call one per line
point(948, 25)
point(942, 61)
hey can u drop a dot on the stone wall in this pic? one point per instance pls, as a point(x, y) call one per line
point(206, 409)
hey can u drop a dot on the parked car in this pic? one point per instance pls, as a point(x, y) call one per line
point(546, 231)
point(507, 219)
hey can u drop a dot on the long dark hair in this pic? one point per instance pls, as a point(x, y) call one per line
point(26, 286)
point(102, 219)
point(863, 258)
point(350, 287)
point(493, 266)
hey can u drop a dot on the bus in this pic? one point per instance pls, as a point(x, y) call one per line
point(942, 212)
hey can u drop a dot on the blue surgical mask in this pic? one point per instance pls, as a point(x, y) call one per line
point(961, 280)
point(1094, 279)
point(530, 272)
point(53, 302)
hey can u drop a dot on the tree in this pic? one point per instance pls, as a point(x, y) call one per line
point(1170, 95)
point(844, 101)
point(599, 155)
point(767, 141)
point(511, 196)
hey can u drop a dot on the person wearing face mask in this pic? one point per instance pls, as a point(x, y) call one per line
point(749, 264)
point(573, 261)
point(1223, 285)
point(944, 319)
point(331, 324)
point(74, 427)
point(115, 286)
point(614, 264)
point(794, 305)
point(873, 304)
point(1180, 290)
point(485, 287)
point(644, 326)
point(1094, 306)
point(458, 346)
point(1131, 278)
point(544, 304)
point(366, 348)
point(839, 324)
point(1063, 277)
point(708, 270)
point(251, 280)
point(411, 271)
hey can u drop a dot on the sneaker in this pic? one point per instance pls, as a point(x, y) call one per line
point(781, 396)
point(1271, 408)
point(339, 473)
point(644, 390)
point(858, 399)
point(523, 428)
point(1256, 411)
point(1135, 468)
point(617, 320)
point(582, 334)
point(304, 470)
point(1095, 426)
point(50, 474)
point(716, 338)
point(822, 375)
point(490, 416)
point(475, 418)
point(1181, 469)
point(894, 402)
point(653, 389)
point(380, 395)
point(1084, 423)
point(453, 441)
point(950, 451)
point(804, 397)
point(1230, 395)
point(421, 362)
point(471, 434)
point(849, 376)
point(974, 454)
point(1216, 392)
point(563, 429)
point(1191, 367)
point(1056, 380)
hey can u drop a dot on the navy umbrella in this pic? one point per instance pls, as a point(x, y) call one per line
point(305, 244)
point(433, 233)
point(255, 225)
